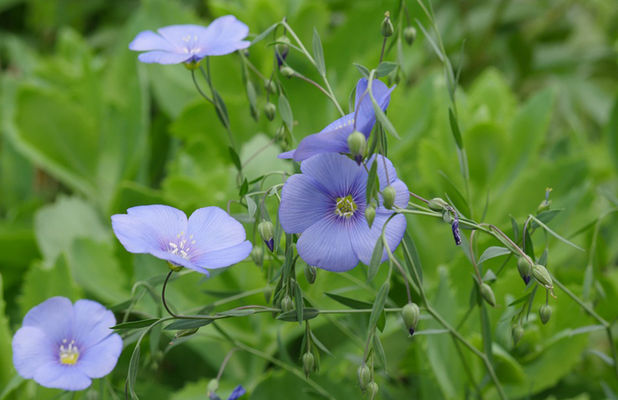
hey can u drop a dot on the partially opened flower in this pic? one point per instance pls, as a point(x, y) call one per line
point(334, 138)
point(326, 204)
point(64, 346)
point(209, 239)
point(176, 44)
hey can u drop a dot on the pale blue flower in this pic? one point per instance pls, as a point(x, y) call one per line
point(64, 346)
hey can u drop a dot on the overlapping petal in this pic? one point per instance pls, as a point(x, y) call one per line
point(91, 322)
point(364, 239)
point(303, 202)
point(99, 360)
point(326, 244)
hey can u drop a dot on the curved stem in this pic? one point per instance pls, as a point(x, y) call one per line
point(167, 308)
point(225, 361)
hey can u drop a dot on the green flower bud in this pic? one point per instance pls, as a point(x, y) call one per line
point(372, 389)
point(389, 194)
point(287, 304)
point(311, 273)
point(370, 214)
point(308, 363)
point(266, 232)
point(357, 145)
point(409, 35)
point(270, 86)
point(387, 26)
point(437, 204)
point(283, 46)
point(545, 313)
point(257, 255)
point(287, 71)
point(269, 110)
point(213, 385)
point(364, 376)
point(524, 268)
point(410, 314)
point(488, 294)
point(517, 332)
point(447, 217)
point(542, 276)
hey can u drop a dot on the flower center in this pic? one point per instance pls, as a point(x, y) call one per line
point(345, 206)
point(181, 246)
point(68, 352)
point(191, 42)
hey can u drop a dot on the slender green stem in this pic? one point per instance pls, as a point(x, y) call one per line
point(225, 361)
point(199, 89)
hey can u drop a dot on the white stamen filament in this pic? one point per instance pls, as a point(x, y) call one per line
point(68, 354)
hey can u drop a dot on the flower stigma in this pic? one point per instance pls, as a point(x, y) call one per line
point(68, 353)
point(181, 246)
point(345, 206)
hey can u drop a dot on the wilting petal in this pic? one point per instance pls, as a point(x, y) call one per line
point(58, 376)
point(212, 229)
point(31, 349)
point(148, 229)
point(335, 173)
point(224, 35)
point(163, 57)
point(223, 257)
point(364, 239)
point(148, 40)
point(326, 244)
point(91, 323)
point(98, 361)
point(55, 315)
point(303, 202)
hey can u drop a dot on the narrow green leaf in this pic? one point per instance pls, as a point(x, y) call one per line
point(251, 206)
point(319, 344)
point(612, 133)
point(13, 384)
point(244, 188)
point(379, 351)
point(364, 71)
point(286, 112)
point(264, 34)
point(520, 300)
point(298, 301)
point(372, 181)
point(431, 41)
point(252, 97)
point(378, 305)
point(133, 368)
point(220, 108)
point(411, 258)
point(385, 68)
point(492, 252)
point(550, 231)
point(455, 128)
point(187, 324)
point(318, 53)
point(376, 259)
point(349, 302)
point(291, 316)
point(383, 119)
point(235, 158)
point(459, 201)
point(486, 332)
point(515, 227)
point(545, 217)
point(135, 324)
point(237, 313)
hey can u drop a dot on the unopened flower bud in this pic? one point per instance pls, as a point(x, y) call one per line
point(524, 268)
point(270, 86)
point(542, 276)
point(410, 314)
point(282, 48)
point(287, 71)
point(257, 255)
point(266, 231)
point(546, 203)
point(364, 376)
point(213, 385)
point(372, 389)
point(409, 35)
point(387, 26)
point(370, 214)
point(389, 194)
point(287, 304)
point(308, 363)
point(357, 143)
point(517, 332)
point(437, 204)
point(455, 230)
point(488, 294)
point(269, 110)
point(545, 313)
point(311, 273)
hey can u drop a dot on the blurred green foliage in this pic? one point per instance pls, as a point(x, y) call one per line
point(87, 131)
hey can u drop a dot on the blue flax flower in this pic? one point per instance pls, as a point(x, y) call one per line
point(334, 138)
point(209, 239)
point(64, 346)
point(236, 393)
point(326, 203)
point(176, 44)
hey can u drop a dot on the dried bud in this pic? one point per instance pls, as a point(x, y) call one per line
point(269, 110)
point(409, 35)
point(488, 294)
point(266, 231)
point(455, 229)
point(311, 273)
point(213, 385)
point(524, 268)
point(370, 214)
point(437, 204)
point(372, 389)
point(542, 276)
point(270, 86)
point(357, 143)
point(257, 255)
point(387, 26)
point(410, 314)
point(517, 332)
point(545, 313)
point(282, 48)
point(364, 376)
point(287, 304)
point(308, 363)
point(389, 194)
point(287, 71)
